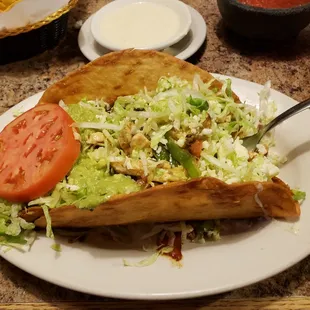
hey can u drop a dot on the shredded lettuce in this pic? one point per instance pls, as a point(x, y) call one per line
point(206, 231)
point(149, 260)
point(98, 126)
point(22, 242)
point(298, 195)
point(18, 112)
point(56, 247)
point(147, 137)
point(158, 136)
point(14, 231)
point(49, 201)
point(49, 231)
point(198, 103)
point(267, 106)
point(182, 107)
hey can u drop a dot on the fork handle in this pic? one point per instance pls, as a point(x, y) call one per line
point(304, 105)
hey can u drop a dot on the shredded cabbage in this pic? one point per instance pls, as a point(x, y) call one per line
point(18, 112)
point(98, 126)
point(298, 195)
point(49, 231)
point(149, 260)
point(56, 247)
point(183, 108)
point(14, 231)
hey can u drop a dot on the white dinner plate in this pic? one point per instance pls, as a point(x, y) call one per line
point(182, 50)
point(211, 268)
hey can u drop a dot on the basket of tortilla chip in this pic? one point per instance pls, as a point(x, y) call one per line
point(30, 27)
point(139, 137)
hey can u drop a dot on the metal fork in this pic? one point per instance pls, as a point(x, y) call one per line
point(251, 142)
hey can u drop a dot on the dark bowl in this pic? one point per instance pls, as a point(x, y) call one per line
point(34, 42)
point(260, 23)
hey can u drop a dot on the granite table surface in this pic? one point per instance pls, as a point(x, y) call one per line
point(286, 64)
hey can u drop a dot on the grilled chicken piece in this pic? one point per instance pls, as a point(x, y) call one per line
point(157, 174)
point(129, 142)
point(140, 141)
point(125, 137)
point(207, 123)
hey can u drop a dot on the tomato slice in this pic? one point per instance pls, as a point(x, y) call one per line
point(37, 150)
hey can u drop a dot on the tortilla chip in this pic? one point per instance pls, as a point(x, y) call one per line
point(198, 199)
point(120, 74)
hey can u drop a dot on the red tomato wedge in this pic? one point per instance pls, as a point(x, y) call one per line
point(37, 150)
point(196, 148)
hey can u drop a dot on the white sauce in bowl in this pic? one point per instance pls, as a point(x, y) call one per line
point(139, 25)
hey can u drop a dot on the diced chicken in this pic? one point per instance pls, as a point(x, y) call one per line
point(135, 170)
point(139, 141)
point(164, 164)
point(95, 138)
point(175, 134)
point(160, 175)
point(125, 137)
point(173, 174)
point(207, 122)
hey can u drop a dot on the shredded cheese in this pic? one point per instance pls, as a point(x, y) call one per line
point(144, 163)
point(98, 126)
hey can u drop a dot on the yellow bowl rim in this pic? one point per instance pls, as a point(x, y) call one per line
point(13, 32)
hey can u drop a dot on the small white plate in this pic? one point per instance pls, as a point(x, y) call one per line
point(183, 49)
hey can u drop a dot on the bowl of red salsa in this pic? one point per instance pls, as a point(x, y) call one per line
point(266, 19)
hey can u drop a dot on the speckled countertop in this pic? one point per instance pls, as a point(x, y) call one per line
point(286, 65)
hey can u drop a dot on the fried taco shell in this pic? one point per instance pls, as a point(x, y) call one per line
point(120, 74)
point(198, 199)
point(126, 73)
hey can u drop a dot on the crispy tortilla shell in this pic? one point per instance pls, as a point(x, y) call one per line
point(120, 74)
point(198, 199)
point(126, 73)
point(32, 213)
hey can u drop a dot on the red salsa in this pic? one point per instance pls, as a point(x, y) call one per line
point(176, 253)
point(177, 247)
point(275, 4)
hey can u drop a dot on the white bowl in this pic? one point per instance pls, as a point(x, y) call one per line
point(178, 7)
